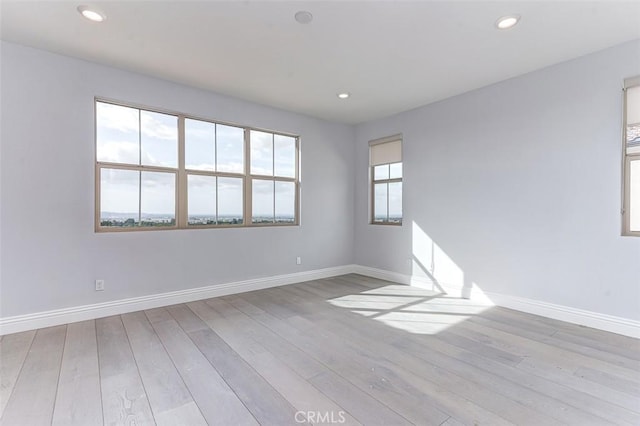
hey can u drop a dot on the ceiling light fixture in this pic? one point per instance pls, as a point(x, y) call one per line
point(344, 95)
point(91, 14)
point(507, 22)
point(304, 17)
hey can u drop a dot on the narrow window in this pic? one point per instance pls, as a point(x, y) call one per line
point(273, 178)
point(385, 160)
point(214, 164)
point(631, 155)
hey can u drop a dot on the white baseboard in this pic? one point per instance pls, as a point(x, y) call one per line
point(600, 321)
point(591, 319)
point(20, 323)
point(619, 325)
point(394, 276)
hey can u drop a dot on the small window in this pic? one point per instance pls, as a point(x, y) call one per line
point(385, 160)
point(631, 154)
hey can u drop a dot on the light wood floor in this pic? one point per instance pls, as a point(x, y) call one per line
point(347, 350)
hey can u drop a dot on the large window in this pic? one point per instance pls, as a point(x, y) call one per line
point(385, 160)
point(158, 170)
point(631, 191)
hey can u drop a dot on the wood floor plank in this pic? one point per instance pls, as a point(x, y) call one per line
point(168, 396)
point(236, 330)
point(452, 422)
point(79, 400)
point(13, 351)
point(38, 381)
point(554, 363)
point(552, 372)
point(239, 331)
point(609, 380)
point(361, 369)
point(356, 402)
point(628, 358)
point(187, 320)
point(452, 337)
point(305, 366)
point(522, 343)
point(570, 404)
point(124, 399)
point(217, 401)
point(611, 339)
point(260, 398)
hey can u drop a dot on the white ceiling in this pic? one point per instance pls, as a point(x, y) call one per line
point(391, 55)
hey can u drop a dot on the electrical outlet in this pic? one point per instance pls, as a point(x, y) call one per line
point(99, 285)
point(298, 260)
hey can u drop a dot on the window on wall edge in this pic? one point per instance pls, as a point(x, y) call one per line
point(631, 158)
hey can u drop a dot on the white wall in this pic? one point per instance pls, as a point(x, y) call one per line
point(50, 253)
point(517, 185)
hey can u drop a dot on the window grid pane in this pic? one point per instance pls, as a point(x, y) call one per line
point(263, 202)
point(395, 171)
point(117, 134)
point(395, 202)
point(261, 153)
point(119, 197)
point(380, 206)
point(285, 202)
point(201, 200)
point(284, 156)
point(229, 149)
point(158, 139)
point(157, 199)
point(200, 145)
point(230, 201)
point(381, 172)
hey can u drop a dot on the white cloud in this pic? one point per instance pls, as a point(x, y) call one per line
point(115, 117)
point(159, 126)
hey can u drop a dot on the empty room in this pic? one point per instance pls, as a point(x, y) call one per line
point(330, 212)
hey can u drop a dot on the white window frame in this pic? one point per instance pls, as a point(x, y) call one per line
point(181, 173)
point(373, 182)
point(627, 158)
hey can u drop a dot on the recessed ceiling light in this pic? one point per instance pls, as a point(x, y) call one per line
point(507, 22)
point(91, 14)
point(304, 17)
point(344, 95)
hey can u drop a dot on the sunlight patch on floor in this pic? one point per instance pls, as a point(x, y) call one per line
point(412, 309)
